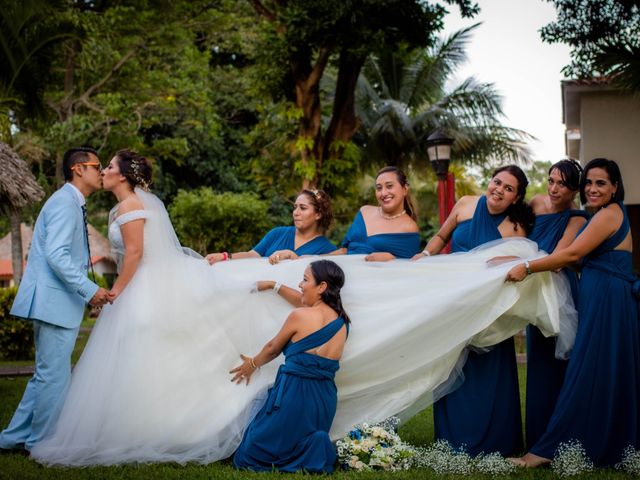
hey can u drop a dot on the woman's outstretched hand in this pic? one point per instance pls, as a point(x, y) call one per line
point(379, 257)
point(244, 371)
point(517, 273)
point(262, 285)
point(280, 255)
point(215, 258)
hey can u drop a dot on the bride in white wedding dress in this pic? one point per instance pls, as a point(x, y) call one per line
point(153, 386)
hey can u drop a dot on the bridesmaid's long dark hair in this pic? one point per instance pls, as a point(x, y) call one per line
point(520, 213)
point(330, 273)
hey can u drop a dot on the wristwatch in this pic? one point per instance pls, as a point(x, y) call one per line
point(528, 267)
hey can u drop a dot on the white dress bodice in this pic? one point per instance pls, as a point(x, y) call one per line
point(115, 235)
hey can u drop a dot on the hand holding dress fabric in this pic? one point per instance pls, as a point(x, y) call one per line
point(244, 371)
point(603, 374)
point(291, 431)
point(483, 414)
point(517, 273)
point(280, 255)
point(312, 216)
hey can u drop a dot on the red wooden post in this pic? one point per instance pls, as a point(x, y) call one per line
point(446, 201)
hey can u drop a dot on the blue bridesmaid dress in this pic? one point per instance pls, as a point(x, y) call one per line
point(283, 238)
point(483, 414)
point(401, 245)
point(290, 433)
point(599, 403)
point(545, 373)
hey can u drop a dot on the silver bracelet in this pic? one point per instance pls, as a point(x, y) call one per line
point(527, 267)
point(276, 287)
point(426, 253)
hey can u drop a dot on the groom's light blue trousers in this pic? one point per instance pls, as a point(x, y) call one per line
point(43, 396)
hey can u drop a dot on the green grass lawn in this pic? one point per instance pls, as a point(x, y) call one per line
point(418, 431)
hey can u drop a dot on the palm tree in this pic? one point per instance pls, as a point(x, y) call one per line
point(402, 97)
point(29, 30)
point(622, 64)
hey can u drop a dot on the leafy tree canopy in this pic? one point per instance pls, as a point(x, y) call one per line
point(304, 39)
point(604, 36)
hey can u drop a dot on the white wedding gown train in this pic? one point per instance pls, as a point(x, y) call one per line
point(153, 386)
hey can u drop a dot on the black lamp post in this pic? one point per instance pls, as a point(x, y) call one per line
point(439, 152)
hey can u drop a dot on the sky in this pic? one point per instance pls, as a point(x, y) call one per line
point(507, 51)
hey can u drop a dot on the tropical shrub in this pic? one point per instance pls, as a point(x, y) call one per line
point(207, 221)
point(16, 336)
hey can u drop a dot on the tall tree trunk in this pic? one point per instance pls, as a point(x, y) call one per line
point(344, 122)
point(16, 245)
point(307, 90)
point(65, 108)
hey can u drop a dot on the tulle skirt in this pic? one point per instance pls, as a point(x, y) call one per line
point(153, 386)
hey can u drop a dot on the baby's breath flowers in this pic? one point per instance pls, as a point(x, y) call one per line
point(443, 459)
point(630, 461)
point(571, 459)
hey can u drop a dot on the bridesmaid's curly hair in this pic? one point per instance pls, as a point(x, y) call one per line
point(322, 204)
point(330, 273)
point(520, 213)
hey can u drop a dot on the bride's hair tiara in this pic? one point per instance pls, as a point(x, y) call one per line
point(137, 165)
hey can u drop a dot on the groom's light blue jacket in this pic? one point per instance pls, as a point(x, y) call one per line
point(55, 287)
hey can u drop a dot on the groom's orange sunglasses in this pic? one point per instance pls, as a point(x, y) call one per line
point(98, 165)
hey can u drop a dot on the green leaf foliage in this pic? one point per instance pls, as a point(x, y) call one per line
point(604, 36)
point(16, 336)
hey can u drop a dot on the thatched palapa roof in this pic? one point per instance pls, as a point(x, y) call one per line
point(18, 186)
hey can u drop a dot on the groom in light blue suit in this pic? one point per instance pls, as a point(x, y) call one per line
point(53, 293)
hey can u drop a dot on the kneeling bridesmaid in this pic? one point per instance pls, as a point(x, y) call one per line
point(290, 433)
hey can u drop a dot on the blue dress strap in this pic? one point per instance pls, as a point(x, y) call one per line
point(622, 232)
point(479, 229)
point(484, 226)
point(615, 239)
point(315, 339)
point(550, 227)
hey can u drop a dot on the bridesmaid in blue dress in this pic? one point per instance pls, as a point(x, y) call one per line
point(557, 225)
point(312, 216)
point(389, 230)
point(599, 399)
point(290, 433)
point(483, 414)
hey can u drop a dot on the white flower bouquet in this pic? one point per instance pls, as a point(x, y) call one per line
point(375, 447)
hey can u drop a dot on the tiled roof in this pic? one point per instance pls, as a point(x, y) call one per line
point(6, 270)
